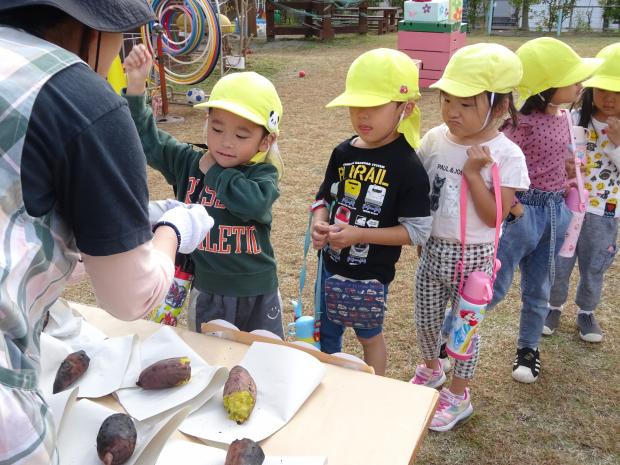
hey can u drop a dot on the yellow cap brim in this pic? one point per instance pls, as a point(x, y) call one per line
point(580, 73)
point(610, 83)
point(233, 108)
point(350, 99)
point(456, 89)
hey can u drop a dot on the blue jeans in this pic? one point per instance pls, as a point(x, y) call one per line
point(331, 333)
point(532, 241)
point(596, 249)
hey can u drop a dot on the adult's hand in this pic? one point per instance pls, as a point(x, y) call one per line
point(158, 207)
point(192, 223)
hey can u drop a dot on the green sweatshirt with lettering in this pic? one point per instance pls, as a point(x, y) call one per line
point(236, 258)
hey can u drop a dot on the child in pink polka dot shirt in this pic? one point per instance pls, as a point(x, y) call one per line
point(534, 230)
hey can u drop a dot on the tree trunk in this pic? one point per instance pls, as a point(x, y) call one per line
point(525, 15)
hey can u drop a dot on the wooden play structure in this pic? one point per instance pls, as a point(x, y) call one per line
point(326, 18)
point(318, 20)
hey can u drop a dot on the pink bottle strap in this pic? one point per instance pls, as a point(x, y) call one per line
point(460, 267)
point(582, 199)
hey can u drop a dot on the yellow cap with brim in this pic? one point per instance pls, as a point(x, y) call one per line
point(550, 63)
point(381, 76)
point(250, 96)
point(480, 68)
point(607, 77)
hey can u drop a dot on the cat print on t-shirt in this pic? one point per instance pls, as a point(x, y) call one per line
point(450, 199)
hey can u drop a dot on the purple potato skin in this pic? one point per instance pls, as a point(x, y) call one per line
point(116, 439)
point(244, 452)
point(71, 369)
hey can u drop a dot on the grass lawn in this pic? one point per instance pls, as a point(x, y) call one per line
point(570, 416)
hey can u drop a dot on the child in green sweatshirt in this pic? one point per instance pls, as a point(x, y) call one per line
point(236, 180)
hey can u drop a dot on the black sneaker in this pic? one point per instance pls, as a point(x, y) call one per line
point(526, 366)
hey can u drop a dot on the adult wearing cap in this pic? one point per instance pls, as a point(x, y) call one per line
point(72, 179)
point(599, 111)
point(534, 232)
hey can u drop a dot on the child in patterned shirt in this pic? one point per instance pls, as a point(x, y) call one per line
point(599, 111)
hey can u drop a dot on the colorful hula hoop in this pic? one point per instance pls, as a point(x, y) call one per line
point(202, 38)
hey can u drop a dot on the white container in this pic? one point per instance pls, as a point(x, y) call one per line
point(434, 11)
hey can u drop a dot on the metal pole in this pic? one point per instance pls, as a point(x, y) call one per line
point(222, 59)
point(159, 30)
point(490, 17)
point(560, 2)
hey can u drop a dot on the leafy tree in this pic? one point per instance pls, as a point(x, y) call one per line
point(611, 12)
point(522, 8)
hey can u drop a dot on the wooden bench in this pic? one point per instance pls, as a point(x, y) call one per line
point(389, 14)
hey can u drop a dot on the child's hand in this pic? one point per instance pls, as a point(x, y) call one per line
point(613, 130)
point(137, 66)
point(319, 233)
point(477, 158)
point(344, 235)
point(206, 162)
point(517, 210)
point(569, 164)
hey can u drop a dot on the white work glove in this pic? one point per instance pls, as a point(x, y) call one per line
point(192, 223)
point(159, 207)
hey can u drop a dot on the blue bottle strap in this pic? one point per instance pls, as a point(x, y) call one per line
point(302, 276)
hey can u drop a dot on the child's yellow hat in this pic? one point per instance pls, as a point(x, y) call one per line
point(607, 77)
point(250, 96)
point(481, 67)
point(550, 63)
point(381, 76)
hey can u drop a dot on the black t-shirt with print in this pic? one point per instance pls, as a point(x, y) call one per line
point(372, 188)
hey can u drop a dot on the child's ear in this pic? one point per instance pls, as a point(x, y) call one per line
point(267, 142)
point(408, 108)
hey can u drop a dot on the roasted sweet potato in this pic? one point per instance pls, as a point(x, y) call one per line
point(116, 439)
point(70, 370)
point(166, 373)
point(244, 452)
point(239, 394)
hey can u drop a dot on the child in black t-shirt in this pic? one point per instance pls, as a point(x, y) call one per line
point(373, 199)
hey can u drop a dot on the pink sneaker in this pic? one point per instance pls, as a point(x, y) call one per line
point(451, 411)
point(427, 377)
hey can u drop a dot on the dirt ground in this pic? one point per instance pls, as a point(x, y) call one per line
point(570, 416)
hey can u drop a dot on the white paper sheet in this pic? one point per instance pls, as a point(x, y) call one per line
point(285, 378)
point(77, 441)
point(66, 324)
point(108, 363)
point(188, 453)
point(62, 320)
point(60, 404)
point(205, 381)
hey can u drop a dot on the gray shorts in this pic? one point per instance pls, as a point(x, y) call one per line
point(246, 313)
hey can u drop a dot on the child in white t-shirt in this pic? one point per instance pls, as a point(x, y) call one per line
point(475, 94)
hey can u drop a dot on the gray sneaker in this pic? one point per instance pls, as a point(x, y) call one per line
point(589, 329)
point(552, 321)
